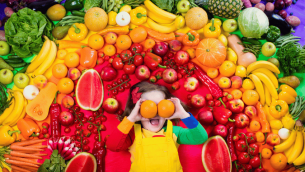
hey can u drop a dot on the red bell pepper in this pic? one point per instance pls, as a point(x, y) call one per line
point(222, 115)
point(153, 61)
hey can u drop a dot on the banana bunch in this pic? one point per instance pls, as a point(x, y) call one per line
point(162, 21)
point(16, 110)
point(262, 75)
point(44, 59)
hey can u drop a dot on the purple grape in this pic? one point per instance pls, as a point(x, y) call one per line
point(270, 0)
point(288, 2)
point(279, 4)
point(11, 3)
point(2, 1)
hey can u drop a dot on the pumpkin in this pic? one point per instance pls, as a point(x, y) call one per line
point(196, 18)
point(211, 52)
point(38, 109)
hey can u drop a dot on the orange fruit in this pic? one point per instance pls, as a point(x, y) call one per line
point(278, 161)
point(59, 70)
point(260, 137)
point(123, 42)
point(248, 84)
point(109, 50)
point(96, 19)
point(56, 12)
point(255, 125)
point(237, 94)
point(212, 72)
point(138, 35)
point(227, 68)
point(61, 54)
point(166, 108)
point(266, 153)
point(148, 109)
point(149, 43)
point(65, 85)
point(96, 41)
point(191, 52)
point(72, 59)
point(250, 97)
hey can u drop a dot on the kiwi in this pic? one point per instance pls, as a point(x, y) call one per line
point(302, 117)
point(59, 32)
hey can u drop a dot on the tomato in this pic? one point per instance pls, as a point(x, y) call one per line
point(67, 130)
point(241, 145)
point(44, 131)
point(117, 63)
point(99, 61)
point(84, 120)
point(248, 167)
point(244, 158)
point(235, 138)
point(96, 137)
point(85, 141)
point(126, 55)
point(241, 136)
point(86, 148)
point(217, 103)
point(98, 122)
point(120, 81)
point(121, 89)
point(138, 60)
point(76, 108)
point(149, 50)
point(136, 48)
point(126, 85)
point(95, 130)
point(114, 92)
point(45, 125)
point(143, 53)
point(103, 118)
point(90, 127)
point(129, 68)
point(78, 126)
point(253, 149)
point(103, 128)
point(91, 119)
point(125, 77)
point(170, 55)
point(255, 162)
point(251, 137)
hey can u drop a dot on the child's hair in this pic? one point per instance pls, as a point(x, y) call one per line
point(146, 87)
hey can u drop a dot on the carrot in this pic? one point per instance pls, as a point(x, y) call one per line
point(291, 169)
point(120, 30)
point(158, 35)
point(263, 118)
point(37, 146)
point(25, 155)
point(15, 162)
point(19, 169)
point(22, 159)
point(28, 142)
point(20, 148)
point(63, 44)
point(297, 170)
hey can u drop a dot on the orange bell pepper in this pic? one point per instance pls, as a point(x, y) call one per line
point(191, 38)
point(28, 128)
point(88, 57)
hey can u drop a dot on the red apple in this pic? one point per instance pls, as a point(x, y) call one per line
point(220, 130)
point(66, 118)
point(241, 120)
point(197, 101)
point(205, 117)
point(160, 48)
point(110, 105)
point(191, 84)
point(273, 139)
point(108, 73)
point(169, 76)
point(175, 45)
point(142, 72)
point(236, 106)
point(250, 111)
point(181, 57)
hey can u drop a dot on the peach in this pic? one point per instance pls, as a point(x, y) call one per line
point(236, 81)
point(110, 38)
point(67, 102)
point(250, 111)
point(273, 139)
point(40, 81)
point(74, 73)
point(224, 82)
point(175, 45)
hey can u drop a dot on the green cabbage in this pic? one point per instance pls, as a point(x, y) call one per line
point(253, 22)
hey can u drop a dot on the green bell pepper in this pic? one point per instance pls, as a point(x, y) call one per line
point(273, 33)
point(74, 5)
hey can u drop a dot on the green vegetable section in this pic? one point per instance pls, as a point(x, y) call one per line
point(55, 164)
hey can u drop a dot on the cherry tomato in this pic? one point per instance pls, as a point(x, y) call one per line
point(80, 115)
point(109, 86)
point(120, 112)
point(217, 103)
point(117, 63)
point(45, 125)
point(114, 92)
point(225, 93)
point(209, 96)
point(121, 89)
point(244, 158)
point(101, 110)
point(103, 128)
point(91, 119)
point(86, 141)
point(251, 138)
point(44, 131)
point(235, 138)
point(77, 144)
point(103, 118)
point(125, 77)
point(120, 81)
point(84, 120)
point(136, 48)
point(73, 138)
point(138, 60)
point(189, 96)
point(99, 61)
point(241, 170)
point(78, 126)
point(106, 58)
point(179, 75)
point(110, 60)
point(90, 127)
point(41, 136)
point(253, 149)
point(76, 121)
point(241, 145)
point(247, 167)
point(143, 53)
point(255, 162)
point(126, 85)
point(211, 103)
point(95, 130)
point(96, 137)
point(86, 148)
point(241, 136)
point(126, 55)
point(78, 138)
point(149, 50)
point(170, 55)
point(129, 68)
point(98, 122)
point(67, 130)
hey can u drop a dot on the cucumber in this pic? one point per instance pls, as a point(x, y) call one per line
point(18, 65)
point(24, 68)
point(15, 61)
point(13, 57)
point(78, 13)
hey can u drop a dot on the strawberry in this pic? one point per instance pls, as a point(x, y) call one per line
point(209, 96)
point(87, 133)
point(152, 79)
point(159, 75)
point(190, 66)
point(176, 85)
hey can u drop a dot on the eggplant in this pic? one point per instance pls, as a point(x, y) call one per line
point(278, 21)
point(42, 6)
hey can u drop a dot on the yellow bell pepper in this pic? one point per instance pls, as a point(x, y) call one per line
point(278, 108)
point(288, 121)
point(8, 135)
point(288, 94)
point(111, 18)
point(78, 32)
point(138, 16)
point(211, 30)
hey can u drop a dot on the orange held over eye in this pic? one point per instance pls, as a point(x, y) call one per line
point(123, 42)
point(96, 41)
point(148, 109)
point(65, 85)
point(166, 108)
point(59, 70)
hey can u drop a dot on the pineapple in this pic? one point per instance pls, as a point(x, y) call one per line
point(225, 8)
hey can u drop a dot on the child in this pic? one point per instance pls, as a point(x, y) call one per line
point(153, 143)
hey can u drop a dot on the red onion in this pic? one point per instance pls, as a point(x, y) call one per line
point(283, 14)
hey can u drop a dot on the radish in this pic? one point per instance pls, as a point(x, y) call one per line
point(50, 148)
point(67, 143)
point(60, 144)
point(75, 149)
point(70, 156)
point(69, 151)
point(247, 3)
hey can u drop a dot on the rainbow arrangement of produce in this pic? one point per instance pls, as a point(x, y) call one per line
point(152, 85)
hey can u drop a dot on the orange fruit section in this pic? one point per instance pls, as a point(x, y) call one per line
point(166, 108)
point(148, 109)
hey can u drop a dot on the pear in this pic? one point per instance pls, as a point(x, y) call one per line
point(292, 81)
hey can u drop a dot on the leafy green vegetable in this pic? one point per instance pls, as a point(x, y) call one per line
point(24, 30)
point(92, 3)
point(55, 164)
point(133, 3)
point(4, 101)
point(167, 5)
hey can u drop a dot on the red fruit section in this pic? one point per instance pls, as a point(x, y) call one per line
point(82, 163)
point(97, 91)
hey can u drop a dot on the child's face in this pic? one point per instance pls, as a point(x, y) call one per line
point(153, 124)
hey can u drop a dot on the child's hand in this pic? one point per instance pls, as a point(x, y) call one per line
point(179, 110)
point(135, 115)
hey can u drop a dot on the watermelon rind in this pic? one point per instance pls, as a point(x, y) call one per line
point(204, 148)
point(82, 153)
point(76, 91)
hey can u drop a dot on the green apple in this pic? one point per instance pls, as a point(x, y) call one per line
point(4, 48)
point(268, 49)
point(183, 6)
point(21, 80)
point(229, 25)
point(6, 76)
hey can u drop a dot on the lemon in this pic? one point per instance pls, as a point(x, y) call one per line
point(276, 124)
point(231, 55)
point(241, 71)
point(111, 18)
point(224, 40)
point(179, 22)
point(126, 8)
point(248, 84)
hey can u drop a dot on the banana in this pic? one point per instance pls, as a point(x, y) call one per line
point(158, 19)
point(40, 57)
point(268, 84)
point(259, 88)
point(262, 64)
point(19, 102)
point(270, 75)
point(267, 95)
point(287, 144)
point(161, 28)
point(48, 61)
point(21, 116)
point(288, 151)
point(301, 159)
point(297, 149)
point(158, 11)
point(7, 111)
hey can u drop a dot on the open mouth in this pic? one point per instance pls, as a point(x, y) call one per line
point(154, 122)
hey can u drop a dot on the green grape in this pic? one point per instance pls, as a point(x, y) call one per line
point(118, 5)
point(111, 1)
point(117, 1)
point(115, 9)
point(121, 2)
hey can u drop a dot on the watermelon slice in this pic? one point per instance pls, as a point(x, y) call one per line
point(82, 162)
point(216, 156)
point(89, 90)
